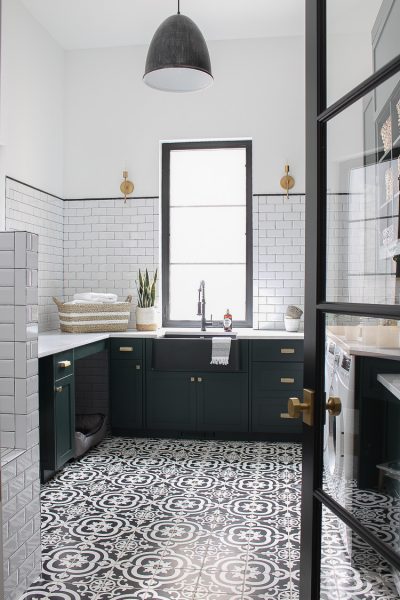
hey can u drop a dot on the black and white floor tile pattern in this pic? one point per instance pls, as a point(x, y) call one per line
point(155, 519)
point(173, 520)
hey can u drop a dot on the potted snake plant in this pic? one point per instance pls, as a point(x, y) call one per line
point(146, 319)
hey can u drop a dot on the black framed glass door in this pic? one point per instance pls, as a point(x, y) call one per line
point(350, 541)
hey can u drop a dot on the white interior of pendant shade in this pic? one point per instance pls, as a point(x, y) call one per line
point(178, 79)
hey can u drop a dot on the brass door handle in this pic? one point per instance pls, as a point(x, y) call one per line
point(334, 406)
point(287, 351)
point(63, 364)
point(297, 408)
point(59, 388)
point(287, 379)
point(126, 349)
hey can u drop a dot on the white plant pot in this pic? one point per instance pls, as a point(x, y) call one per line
point(292, 324)
point(146, 319)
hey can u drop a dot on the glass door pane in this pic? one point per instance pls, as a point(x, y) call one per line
point(361, 37)
point(350, 569)
point(363, 183)
point(361, 450)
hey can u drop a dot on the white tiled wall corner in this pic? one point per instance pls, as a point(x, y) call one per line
point(278, 258)
point(19, 417)
point(30, 210)
point(21, 523)
point(105, 244)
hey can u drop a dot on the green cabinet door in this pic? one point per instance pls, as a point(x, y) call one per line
point(266, 412)
point(171, 401)
point(222, 402)
point(64, 420)
point(126, 394)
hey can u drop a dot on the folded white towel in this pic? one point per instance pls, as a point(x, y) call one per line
point(221, 347)
point(85, 302)
point(96, 297)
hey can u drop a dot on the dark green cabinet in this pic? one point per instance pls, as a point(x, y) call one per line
point(56, 412)
point(276, 375)
point(222, 402)
point(64, 418)
point(171, 401)
point(126, 393)
point(197, 402)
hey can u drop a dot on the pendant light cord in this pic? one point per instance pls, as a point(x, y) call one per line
point(179, 10)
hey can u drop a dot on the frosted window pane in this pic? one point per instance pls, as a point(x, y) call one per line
point(208, 234)
point(225, 288)
point(208, 177)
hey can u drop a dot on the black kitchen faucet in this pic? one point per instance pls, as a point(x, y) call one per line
point(201, 306)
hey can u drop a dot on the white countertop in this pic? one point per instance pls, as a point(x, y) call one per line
point(52, 342)
point(357, 348)
point(391, 381)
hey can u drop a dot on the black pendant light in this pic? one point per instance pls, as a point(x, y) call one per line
point(178, 58)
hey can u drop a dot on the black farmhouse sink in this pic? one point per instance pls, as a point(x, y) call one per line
point(182, 353)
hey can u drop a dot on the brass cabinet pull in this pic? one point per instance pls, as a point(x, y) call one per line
point(287, 350)
point(199, 379)
point(59, 388)
point(137, 367)
point(192, 379)
point(126, 348)
point(287, 379)
point(297, 408)
point(63, 364)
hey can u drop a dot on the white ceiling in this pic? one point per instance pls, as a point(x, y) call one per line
point(105, 23)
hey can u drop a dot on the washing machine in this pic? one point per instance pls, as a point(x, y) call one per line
point(349, 416)
point(332, 438)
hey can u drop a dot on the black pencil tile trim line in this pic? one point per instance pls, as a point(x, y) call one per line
point(176, 520)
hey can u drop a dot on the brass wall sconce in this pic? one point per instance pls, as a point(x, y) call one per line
point(126, 186)
point(287, 181)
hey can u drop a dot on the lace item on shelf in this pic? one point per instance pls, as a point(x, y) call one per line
point(389, 183)
point(386, 134)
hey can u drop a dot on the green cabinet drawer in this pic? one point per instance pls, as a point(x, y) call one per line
point(278, 350)
point(126, 348)
point(266, 413)
point(63, 364)
point(277, 376)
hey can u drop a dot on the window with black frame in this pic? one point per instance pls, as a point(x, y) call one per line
point(206, 231)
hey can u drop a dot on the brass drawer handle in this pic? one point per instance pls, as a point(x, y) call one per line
point(64, 364)
point(126, 349)
point(287, 379)
point(287, 350)
point(137, 367)
point(59, 388)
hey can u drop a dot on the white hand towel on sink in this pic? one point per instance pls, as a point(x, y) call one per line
point(221, 347)
point(96, 298)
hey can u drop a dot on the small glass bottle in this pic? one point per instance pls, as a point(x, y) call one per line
point(227, 321)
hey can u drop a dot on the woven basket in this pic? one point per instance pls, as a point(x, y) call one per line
point(94, 318)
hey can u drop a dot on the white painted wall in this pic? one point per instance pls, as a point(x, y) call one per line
point(32, 102)
point(113, 119)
